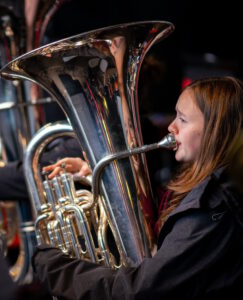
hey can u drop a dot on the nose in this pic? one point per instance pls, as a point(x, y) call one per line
point(172, 128)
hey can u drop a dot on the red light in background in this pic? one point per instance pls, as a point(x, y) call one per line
point(185, 82)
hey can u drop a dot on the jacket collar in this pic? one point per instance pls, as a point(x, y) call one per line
point(193, 200)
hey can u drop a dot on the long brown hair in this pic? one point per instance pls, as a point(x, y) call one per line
point(220, 100)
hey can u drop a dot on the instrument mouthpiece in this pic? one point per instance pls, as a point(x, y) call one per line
point(168, 142)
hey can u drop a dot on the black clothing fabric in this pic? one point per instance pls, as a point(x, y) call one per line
point(12, 181)
point(200, 256)
point(8, 289)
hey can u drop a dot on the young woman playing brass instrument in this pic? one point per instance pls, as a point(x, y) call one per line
point(200, 240)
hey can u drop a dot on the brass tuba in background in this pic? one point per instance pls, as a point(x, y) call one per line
point(16, 220)
point(21, 113)
point(93, 77)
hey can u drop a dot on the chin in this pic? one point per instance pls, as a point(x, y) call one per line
point(181, 158)
point(178, 158)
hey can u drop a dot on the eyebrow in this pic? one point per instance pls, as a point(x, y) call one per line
point(178, 111)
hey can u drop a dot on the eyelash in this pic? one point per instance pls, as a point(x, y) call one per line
point(182, 120)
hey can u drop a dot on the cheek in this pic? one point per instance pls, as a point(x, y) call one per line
point(194, 140)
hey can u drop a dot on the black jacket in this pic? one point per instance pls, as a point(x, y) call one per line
point(200, 256)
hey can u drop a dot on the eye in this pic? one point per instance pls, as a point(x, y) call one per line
point(182, 119)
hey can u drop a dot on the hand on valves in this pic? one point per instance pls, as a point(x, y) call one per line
point(74, 165)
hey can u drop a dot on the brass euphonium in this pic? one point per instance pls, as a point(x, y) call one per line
point(93, 77)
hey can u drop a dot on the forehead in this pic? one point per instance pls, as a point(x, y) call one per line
point(186, 103)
